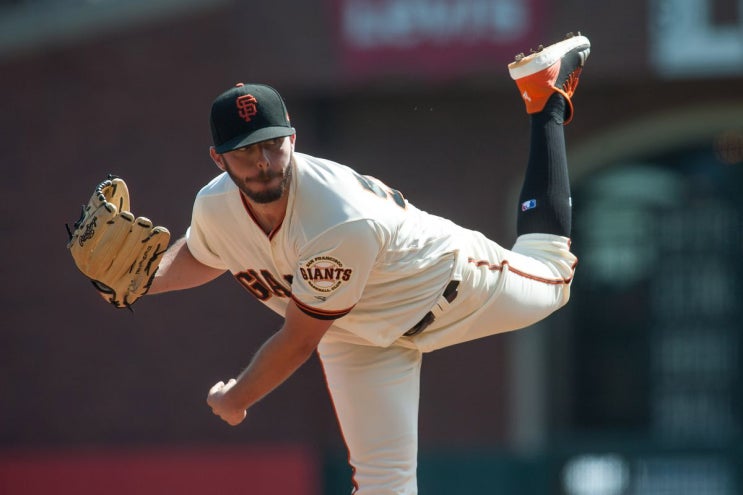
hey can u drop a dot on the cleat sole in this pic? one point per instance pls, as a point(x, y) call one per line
point(546, 57)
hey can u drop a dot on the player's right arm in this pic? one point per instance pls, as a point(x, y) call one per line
point(179, 269)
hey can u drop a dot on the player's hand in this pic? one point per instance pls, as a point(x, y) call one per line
point(218, 400)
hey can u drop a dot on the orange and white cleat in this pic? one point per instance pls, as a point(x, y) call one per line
point(555, 68)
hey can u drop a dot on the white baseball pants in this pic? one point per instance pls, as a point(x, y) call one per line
point(375, 390)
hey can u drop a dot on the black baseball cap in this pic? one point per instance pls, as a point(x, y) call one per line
point(247, 114)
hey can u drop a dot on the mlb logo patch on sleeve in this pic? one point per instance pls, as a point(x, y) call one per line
point(528, 205)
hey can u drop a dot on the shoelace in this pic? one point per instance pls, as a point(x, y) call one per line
point(572, 82)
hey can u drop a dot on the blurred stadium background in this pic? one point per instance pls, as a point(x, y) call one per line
point(633, 389)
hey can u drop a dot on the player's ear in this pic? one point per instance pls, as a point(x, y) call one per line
point(217, 158)
point(293, 138)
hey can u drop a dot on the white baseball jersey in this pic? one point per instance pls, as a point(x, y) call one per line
point(353, 250)
point(349, 248)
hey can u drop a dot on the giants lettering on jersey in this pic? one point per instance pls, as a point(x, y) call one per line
point(325, 273)
point(262, 284)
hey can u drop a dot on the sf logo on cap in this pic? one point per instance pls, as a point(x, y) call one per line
point(246, 107)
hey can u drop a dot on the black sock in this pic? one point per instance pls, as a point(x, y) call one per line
point(544, 203)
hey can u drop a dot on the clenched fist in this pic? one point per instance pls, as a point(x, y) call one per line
point(219, 400)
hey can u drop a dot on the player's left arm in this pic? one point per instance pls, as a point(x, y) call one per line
point(277, 359)
point(179, 269)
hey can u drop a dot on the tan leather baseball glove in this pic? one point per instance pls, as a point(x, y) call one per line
point(116, 251)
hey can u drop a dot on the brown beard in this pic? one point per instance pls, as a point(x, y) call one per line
point(267, 195)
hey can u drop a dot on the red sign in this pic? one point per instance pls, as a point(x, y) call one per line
point(433, 38)
point(257, 470)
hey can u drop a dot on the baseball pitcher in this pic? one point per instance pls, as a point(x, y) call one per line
point(358, 273)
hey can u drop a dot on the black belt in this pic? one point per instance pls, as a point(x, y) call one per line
point(450, 293)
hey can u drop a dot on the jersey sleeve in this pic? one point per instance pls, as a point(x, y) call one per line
point(197, 240)
point(334, 268)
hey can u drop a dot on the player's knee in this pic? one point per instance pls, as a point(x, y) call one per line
point(565, 293)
